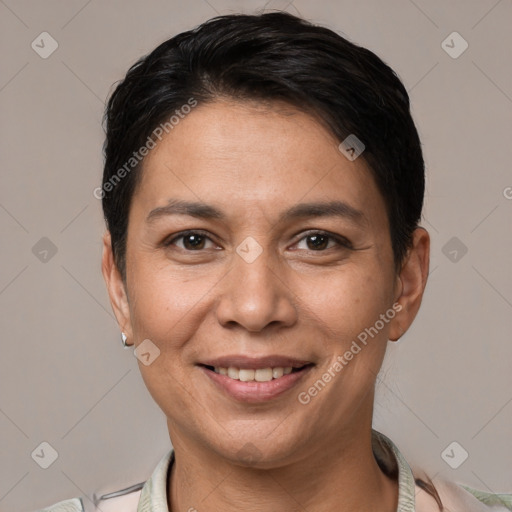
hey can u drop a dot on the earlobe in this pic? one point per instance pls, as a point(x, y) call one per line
point(115, 287)
point(412, 281)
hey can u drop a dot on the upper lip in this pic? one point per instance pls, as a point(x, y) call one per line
point(243, 361)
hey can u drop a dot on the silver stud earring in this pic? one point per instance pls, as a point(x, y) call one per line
point(123, 340)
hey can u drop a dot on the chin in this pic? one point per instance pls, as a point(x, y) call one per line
point(257, 451)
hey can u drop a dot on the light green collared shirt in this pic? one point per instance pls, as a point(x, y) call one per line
point(457, 498)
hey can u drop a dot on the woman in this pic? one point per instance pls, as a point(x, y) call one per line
point(262, 190)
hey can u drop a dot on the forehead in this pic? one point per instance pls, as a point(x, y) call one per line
point(239, 155)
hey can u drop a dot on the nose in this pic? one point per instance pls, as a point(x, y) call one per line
point(254, 295)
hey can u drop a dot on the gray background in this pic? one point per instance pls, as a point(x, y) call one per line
point(64, 377)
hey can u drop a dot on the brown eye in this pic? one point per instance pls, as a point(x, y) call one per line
point(317, 242)
point(193, 241)
point(189, 241)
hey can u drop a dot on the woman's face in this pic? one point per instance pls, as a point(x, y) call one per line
point(254, 243)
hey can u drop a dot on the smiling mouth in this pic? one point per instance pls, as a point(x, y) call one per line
point(255, 375)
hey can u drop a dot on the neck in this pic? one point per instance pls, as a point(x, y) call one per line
point(343, 476)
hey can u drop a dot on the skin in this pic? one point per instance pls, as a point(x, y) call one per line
point(253, 162)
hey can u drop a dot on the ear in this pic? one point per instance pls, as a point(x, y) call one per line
point(116, 288)
point(411, 283)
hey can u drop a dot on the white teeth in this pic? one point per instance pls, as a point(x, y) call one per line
point(249, 375)
point(263, 374)
point(277, 372)
point(246, 375)
point(233, 372)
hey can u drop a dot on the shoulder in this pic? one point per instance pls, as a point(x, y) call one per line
point(139, 496)
point(417, 497)
point(457, 497)
point(126, 500)
point(73, 505)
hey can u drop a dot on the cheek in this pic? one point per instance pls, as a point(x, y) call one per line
point(167, 308)
point(166, 303)
point(345, 301)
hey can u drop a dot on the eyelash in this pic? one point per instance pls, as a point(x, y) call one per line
point(341, 241)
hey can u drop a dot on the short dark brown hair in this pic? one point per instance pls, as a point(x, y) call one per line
point(267, 57)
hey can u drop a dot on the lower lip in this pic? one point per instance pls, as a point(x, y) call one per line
point(255, 392)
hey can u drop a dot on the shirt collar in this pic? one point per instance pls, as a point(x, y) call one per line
point(153, 497)
point(389, 456)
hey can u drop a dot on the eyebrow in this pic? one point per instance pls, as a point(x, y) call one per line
point(299, 211)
